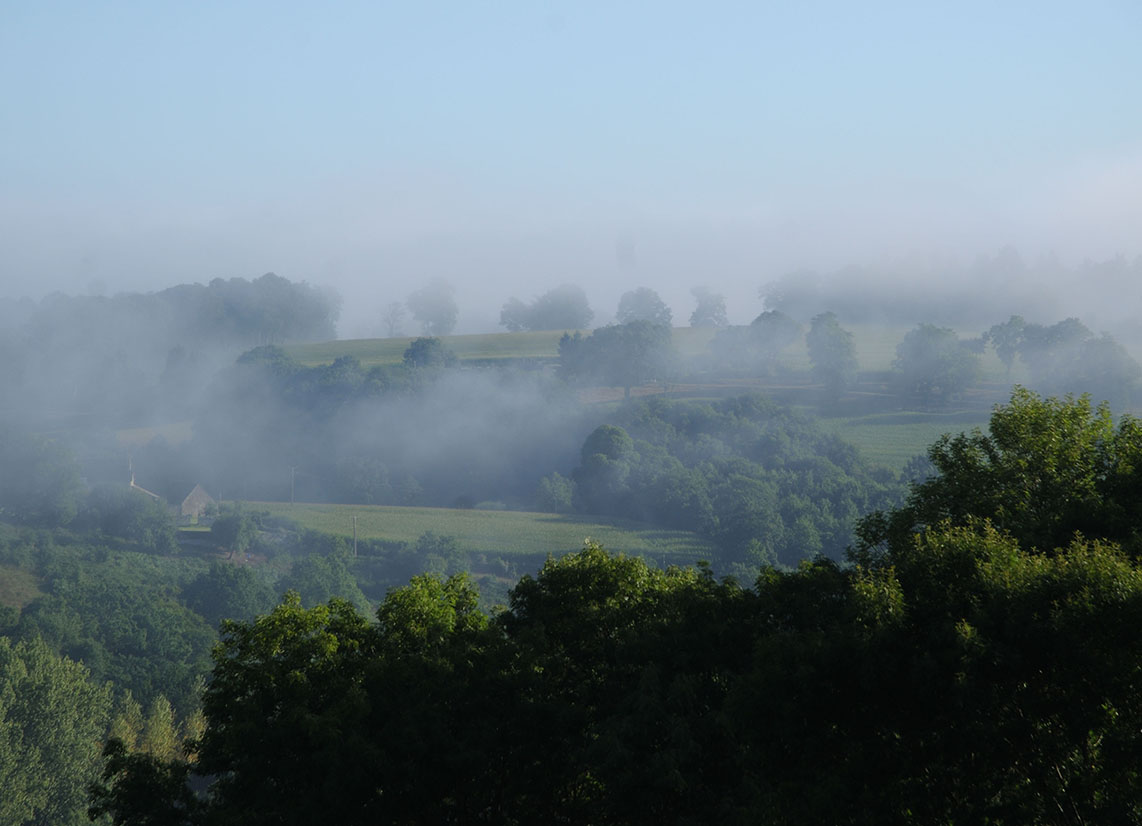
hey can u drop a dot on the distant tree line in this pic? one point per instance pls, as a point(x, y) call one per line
point(958, 294)
point(132, 356)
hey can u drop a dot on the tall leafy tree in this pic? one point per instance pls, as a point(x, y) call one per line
point(643, 304)
point(1046, 469)
point(832, 353)
point(933, 364)
point(622, 355)
point(1007, 338)
point(710, 310)
point(51, 721)
point(434, 306)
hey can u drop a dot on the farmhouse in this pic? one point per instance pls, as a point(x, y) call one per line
point(195, 504)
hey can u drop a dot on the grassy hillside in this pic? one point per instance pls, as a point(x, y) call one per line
point(891, 439)
point(374, 351)
point(495, 532)
point(540, 345)
point(875, 347)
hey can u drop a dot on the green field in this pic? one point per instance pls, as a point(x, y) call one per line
point(486, 346)
point(875, 348)
point(891, 439)
point(495, 532)
point(373, 351)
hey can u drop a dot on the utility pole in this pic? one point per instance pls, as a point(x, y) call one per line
point(292, 472)
point(354, 536)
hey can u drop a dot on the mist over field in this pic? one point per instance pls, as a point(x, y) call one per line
point(583, 413)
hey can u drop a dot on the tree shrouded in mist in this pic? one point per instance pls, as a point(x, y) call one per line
point(434, 306)
point(428, 352)
point(832, 353)
point(620, 355)
point(392, 318)
point(643, 304)
point(562, 308)
point(710, 310)
point(933, 364)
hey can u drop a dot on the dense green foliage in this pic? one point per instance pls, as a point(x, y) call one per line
point(428, 352)
point(120, 618)
point(620, 355)
point(970, 672)
point(962, 680)
point(760, 480)
point(52, 718)
point(1045, 470)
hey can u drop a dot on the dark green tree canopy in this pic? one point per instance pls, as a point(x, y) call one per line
point(1047, 469)
point(428, 352)
point(958, 679)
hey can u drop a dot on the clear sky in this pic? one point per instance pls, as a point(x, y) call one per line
point(512, 146)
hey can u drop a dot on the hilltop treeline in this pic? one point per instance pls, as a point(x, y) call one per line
point(981, 668)
point(958, 294)
point(134, 355)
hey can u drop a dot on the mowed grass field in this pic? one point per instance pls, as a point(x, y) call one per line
point(875, 348)
point(374, 351)
point(891, 439)
point(495, 532)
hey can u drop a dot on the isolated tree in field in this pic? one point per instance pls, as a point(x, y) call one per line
point(434, 306)
point(562, 308)
point(1007, 338)
point(515, 315)
point(393, 318)
point(428, 352)
point(933, 364)
point(773, 331)
point(234, 531)
point(643, 304)
point(620, 355)
point(711, 308)
point(832, 353)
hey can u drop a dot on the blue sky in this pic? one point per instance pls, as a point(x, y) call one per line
point(512, 146)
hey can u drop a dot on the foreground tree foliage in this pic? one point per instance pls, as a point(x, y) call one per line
point(51, 719)
point(1048, 468)
point(954, 674)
